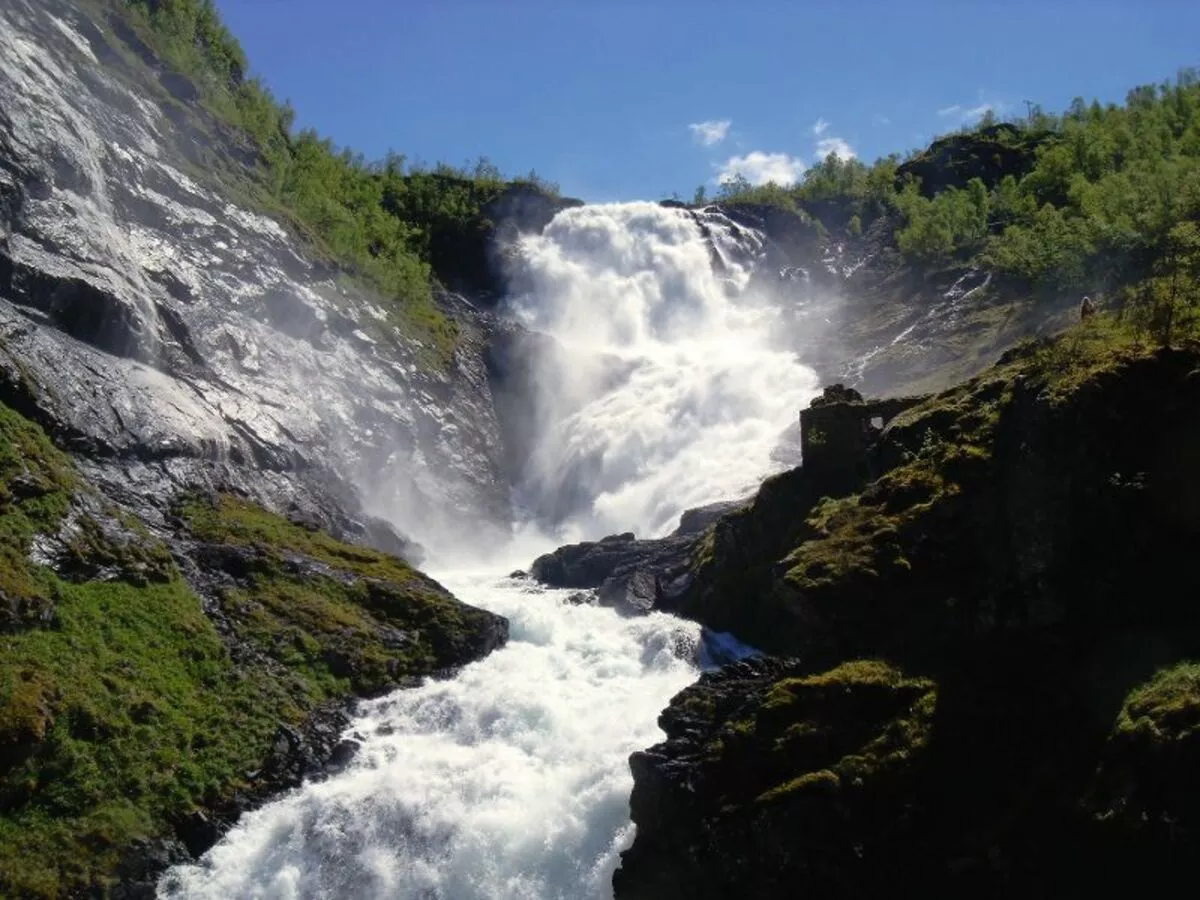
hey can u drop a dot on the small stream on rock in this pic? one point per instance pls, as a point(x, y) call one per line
point(511, 780)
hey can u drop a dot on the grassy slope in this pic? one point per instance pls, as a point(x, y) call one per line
point(385, 226)
point(121, 708)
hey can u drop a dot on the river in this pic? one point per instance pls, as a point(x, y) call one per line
point(511, 780)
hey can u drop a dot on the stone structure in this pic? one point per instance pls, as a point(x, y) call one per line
point(838, 430)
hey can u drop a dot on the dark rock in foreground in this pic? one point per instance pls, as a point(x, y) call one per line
point(973, 707)
point(634, 576)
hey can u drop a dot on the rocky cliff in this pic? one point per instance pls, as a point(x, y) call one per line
point(862, 313)
point(984, 683)
point(219, 451)
point(191, 595)
point(174, 335)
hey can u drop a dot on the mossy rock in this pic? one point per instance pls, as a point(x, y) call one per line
point(1047, 490)
point(338, 616)
point(970, 710)
point(36, 485)
point(128, 702)
point(837, 730)
point(1148, 783)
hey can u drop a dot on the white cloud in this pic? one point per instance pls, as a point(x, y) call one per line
point(819, 127)
point(880, 120)
point(710, 132)
point(946, 111)
point(758, 167)
point(836, 146)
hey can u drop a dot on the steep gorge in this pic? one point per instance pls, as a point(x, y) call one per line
point(223, 454)
point(247, 429)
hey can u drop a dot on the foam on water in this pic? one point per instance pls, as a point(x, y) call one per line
point(670, 390)
point(511, 781)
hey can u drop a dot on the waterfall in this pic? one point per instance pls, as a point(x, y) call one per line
point(668, 391)
point(510, 781)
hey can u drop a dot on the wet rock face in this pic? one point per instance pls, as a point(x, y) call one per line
point(175, 337)
point(631, 575)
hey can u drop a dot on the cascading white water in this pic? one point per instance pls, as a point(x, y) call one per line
point(668, 392)
point(511, 781)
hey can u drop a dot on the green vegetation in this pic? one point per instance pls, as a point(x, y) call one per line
point(1164, 709)
point(338, 616)
point(823, 733)
point(949, 442)
point(36, 482)
point(1101, 198)
point(1157, 735)
point(124, 714)
point(394, 225)
point(874, 717)
point(1100, 345)
point(121, 707)
point(805, 551)
point(835, 193)
point(235, 522)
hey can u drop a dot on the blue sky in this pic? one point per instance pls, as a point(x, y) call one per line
point(625, 100)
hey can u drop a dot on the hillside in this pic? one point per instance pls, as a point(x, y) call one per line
point(921, 270)
point(245, 372)
point(986, 673)
point(400, 230)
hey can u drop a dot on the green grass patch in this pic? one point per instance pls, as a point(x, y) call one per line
point(127, 712)
point(339, 616)
point(1166, 708)
point(860, 721)
point(1064, 364)
point(121, 707)
point(234, 521)
point(36, 483)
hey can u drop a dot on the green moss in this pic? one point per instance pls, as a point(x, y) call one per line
point(36, 483)
point(1148, 780)
point(1066, 363)
point(1165, 709)
point(863, 536)
point(126, 709)
point(137, 714)
point(705, 550)
point(121, 708)
point(823, 780)
point(948, 468)
point(859, 721)
point(813, 735)
point(230, 520)
point(340, 617)
point(858, 672)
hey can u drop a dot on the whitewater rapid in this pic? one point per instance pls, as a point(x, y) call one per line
point(511, 781)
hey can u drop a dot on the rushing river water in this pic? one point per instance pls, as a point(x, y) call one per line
point(511, 780)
